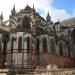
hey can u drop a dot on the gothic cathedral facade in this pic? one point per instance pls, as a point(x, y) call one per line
point(29, 41)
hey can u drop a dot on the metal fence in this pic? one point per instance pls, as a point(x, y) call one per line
point(31, 60)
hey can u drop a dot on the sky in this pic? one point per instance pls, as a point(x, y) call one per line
point(58, 9)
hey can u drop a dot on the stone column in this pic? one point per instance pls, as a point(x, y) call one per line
point(9, 55)
point(26, 55)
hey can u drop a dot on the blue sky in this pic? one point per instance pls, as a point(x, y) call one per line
point(68, 5)
point(58, 9)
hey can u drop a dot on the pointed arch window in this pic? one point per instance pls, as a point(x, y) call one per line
point(20, 44)
point(68, 50)
point(4, 47)
point(37, 46)
point(50, 42)
point(45, 45)
point(26, 22)
point(60, 48)
point(53, 46)
point(12, 45)
point(28, 44)
point(13, 39)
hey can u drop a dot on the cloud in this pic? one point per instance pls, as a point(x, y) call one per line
point(55, 13)
point(7, 5)
point(60, 14)
point(42, 6)
point(74, 12)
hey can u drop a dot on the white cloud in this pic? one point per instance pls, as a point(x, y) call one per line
point(7, 5)
point(55, 13)
point(74, 12)
point(60, 14)
point(40, 5)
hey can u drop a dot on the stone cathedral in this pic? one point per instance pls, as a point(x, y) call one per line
point(27, 40)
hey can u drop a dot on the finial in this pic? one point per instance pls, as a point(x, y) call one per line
point(1, 16)
point(48, 17)
point(14, 8)
point(13, 11)
point(58, 20)
point(33, 7)
point(48, 13)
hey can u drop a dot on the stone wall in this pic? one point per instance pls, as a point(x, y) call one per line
point(40, 72)
point(52, 72)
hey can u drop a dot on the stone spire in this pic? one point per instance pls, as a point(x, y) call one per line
point(1, 16)
point(48, 18)
point(1, 19)
point(14, 8)
point(13, 11)
point(33, 12)
point(33, 8)
point(58, 20)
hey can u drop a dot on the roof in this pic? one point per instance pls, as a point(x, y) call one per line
point(69, 21)
point(28, 8)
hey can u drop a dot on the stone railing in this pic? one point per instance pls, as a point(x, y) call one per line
point(55, 72)
point(40, 72)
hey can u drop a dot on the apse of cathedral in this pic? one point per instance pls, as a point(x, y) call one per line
point(27, 40)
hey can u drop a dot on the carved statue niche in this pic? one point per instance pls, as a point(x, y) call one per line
point(26, 22)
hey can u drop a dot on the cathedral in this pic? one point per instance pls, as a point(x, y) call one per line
point(27, 40)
